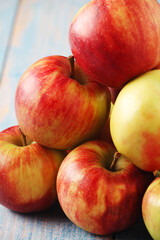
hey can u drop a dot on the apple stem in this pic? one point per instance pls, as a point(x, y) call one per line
point(157, 173)
point(71, 61)
point(115, 159)
point(24, 141)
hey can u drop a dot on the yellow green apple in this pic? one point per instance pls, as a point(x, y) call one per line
point(135, 121)
point(151, 208)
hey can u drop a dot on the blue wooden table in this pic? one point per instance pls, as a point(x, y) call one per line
point(30, 30)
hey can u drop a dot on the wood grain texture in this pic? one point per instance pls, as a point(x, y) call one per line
point(48, 225)
point(54, 225)
point(8, 11)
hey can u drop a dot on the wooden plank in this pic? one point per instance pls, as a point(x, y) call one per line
point(8, 9)
point(48, 225)
point(41, 29)
point(53, 225)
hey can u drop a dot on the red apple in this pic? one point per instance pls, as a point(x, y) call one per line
point(114, 93)
point(135, 121)
point(114, 41)
point(157, 67)
point(28, 173)
point(105, 134)
point(96, 195)
point(151, 209)
point(58, 106)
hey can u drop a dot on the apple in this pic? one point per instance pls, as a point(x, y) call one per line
point(114, 93)
point(135, 124)
point(28, 172)
point(105, 134)
point(98, 194)
point(151, 209)
point(58, 106)
point(115, 41)
point(157, 67)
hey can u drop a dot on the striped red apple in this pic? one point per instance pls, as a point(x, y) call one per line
point(96, 195)
point(135, 124)
point(114, 41)
point(58, 106)
point(28, 172)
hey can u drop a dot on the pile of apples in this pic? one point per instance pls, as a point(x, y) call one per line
point(70, 143)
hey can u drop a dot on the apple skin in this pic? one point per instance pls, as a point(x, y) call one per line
point(135, 125)
point(151, 209)
point(28, 173)
point(115, 41)
point(96, 199)
point(114, 93)
point(57, 111)
point(105, 134)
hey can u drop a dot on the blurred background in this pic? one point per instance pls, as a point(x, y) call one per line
point(30, 30)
